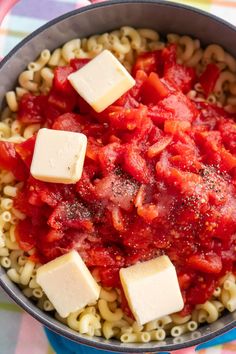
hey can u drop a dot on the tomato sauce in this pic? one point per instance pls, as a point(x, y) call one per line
point(159, 178)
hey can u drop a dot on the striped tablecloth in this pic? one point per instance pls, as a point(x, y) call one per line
point(20, 333)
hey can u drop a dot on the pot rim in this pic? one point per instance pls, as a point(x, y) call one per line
point(31, 308)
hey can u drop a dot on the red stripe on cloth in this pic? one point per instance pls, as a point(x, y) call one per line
point(5, 7)
point(31, 338)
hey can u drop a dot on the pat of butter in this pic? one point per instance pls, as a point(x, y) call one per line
point(58, 156)
point(152, 289)
point(68, 283)
point(102, 81)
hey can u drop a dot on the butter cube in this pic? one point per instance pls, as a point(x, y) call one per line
point(152, 289)
point(68, 283)
point(102, 81)
point(58, 156)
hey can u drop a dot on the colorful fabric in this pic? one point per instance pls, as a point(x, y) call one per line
point(20, 333)
point(28, 15)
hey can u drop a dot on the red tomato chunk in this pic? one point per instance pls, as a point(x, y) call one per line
point(159, 178)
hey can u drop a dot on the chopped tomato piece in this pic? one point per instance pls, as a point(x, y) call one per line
point(153, 89)
point(119, 190)
point(69, 122)
point(169, 56)
point(173, 126)
point(206, 263)
point(11, 161)
point(25, 236)
point(111, 256)
point(180, 106)
point(60, 81)
point(108, 157)
point(31, 108)
point(209, 77)
point(148, 212)
point(149, 62)
point(159, 146)
point(74, 215)
point(182, 77)
point(62, 102)
point(26, 150)
point(109, 276)
point(77, 64)
point(136, 165)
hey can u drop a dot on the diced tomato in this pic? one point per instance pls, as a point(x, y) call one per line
point(159, 146)
point(173, 126)
point(206, 263)
point(124, 304)
point(26, 150)
point(201, 291)
point(53, 235)
point(111, 256)
point(141, 238)
point(109, 276)
point(60, 81)
point(125, 119)
point(149, 62)
point(209, 77)
point(25, 236)
point(11, 161)
point(153, 89)
point(84, 186)
point(180, 76)
point(184, 280)
point(77, 64)
point(117, 219)
point(69, 122)
point(109, 156)
point(169, 56)
point(181, 107)
point(31, 108)
point(136, 165)
point(63, 103)
point(119, 190)
point(148, 212)
point(132, 98)
point(74, 215)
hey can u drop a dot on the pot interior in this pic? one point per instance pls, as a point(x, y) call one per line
point(165, 18)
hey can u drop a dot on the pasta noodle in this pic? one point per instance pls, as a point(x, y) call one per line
point(189, 47)
point(41, 61)
point(142, 337)
point(107, 314)
point(69, 49)
point(26, 80)
point(12, 101)
point(111, 329)
point(211, 311)
point(214, 52)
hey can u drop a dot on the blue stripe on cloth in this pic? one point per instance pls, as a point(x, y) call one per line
point(42, 9)
point(227, 337)
point(62, 345)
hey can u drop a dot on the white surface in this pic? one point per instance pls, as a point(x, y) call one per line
point(102, 81)
point(68, 283)
point(227, 13)
point(152, 289)
point(58, 156)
